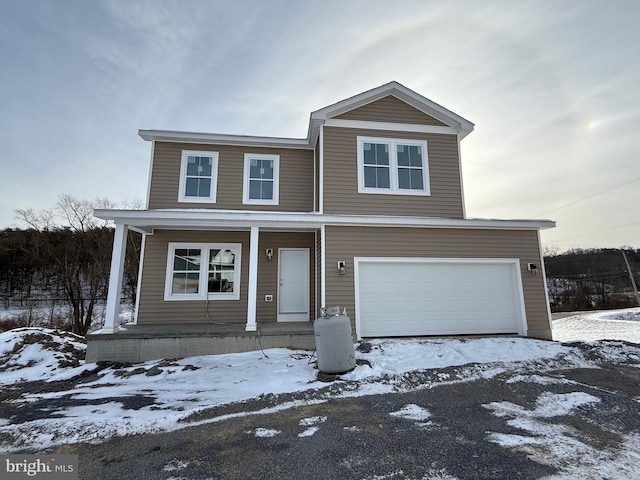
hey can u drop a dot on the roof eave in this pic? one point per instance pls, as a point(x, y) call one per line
point(147, 220)
point(222, 139)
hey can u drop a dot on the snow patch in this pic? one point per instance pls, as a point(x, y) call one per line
point(547, 405)
point(266, 432)
point(601, 325)
point(312, 423)
point(352, 428)
point(560, 445)
point(309, 432)
point(175, 465)
point(412, 412)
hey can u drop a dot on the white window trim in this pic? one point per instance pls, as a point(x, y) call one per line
point(276, 179)
point(202, 294)
point(183, 177)
point(393, 166)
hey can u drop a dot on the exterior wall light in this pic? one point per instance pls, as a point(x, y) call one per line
point(533, 268)
point(269, 254)
point(342, 267)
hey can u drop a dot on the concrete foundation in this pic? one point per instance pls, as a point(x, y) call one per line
point(139, 343)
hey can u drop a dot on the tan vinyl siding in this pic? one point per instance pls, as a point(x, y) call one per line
point(341, 177)
point(390, 109)
point(296, 177)
point(154, 309)
point(268, 270)
point(345, 243)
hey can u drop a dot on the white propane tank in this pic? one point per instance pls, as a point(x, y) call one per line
point(334, 343)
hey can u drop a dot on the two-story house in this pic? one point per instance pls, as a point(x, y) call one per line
point(250, 234)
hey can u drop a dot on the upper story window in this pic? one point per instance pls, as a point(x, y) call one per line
point(206, 271)
point(261, 179)
point(198, 177)
point(392, 166)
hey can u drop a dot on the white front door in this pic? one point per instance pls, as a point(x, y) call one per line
point(293, 286)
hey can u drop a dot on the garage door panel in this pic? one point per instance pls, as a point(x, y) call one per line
point(438, 298)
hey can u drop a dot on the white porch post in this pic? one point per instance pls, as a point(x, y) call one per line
point(323, 267)
point(253, 280)
point(115, 279)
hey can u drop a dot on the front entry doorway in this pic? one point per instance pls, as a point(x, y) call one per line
point(293, 285)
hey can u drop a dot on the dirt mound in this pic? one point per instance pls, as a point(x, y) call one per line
point(38, 353)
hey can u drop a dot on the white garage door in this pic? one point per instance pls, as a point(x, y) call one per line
point(411, 297)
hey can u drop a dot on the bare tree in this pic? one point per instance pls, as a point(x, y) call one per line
point(78, 213)
point(79, 253)
point(37, 219)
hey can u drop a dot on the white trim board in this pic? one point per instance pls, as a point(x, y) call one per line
point(394, 127)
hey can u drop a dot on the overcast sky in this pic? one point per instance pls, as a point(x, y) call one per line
point(552, 86)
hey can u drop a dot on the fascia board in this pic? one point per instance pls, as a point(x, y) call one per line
point(223, 139)
point(201, 218)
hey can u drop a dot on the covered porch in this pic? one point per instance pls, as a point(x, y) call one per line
point(251, 319)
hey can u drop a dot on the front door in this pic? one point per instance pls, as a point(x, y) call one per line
point(293, 287)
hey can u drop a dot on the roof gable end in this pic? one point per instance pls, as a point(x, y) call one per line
point(417, 101)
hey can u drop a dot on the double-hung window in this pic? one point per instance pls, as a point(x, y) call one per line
point(261, 179)
point(207, 271)
point(198, 177)
point(393, 166)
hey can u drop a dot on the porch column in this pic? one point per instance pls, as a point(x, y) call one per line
point(115, 279)
point(253, 280)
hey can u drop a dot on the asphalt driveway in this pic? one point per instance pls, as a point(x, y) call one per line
point(563, 423)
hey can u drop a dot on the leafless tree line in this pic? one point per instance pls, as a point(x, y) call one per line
point(63, 257)
point(592, 279)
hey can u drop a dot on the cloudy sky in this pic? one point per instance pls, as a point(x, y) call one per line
point(553, 88)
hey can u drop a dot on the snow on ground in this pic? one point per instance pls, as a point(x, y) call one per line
point(600, 325)
point(158, 395)
point(560, 445)
point(38, 353)
point(412, 412)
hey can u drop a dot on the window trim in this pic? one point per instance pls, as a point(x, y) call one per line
point(246, 179)
point(203, 273)
point(394, 189)
point(183, 177)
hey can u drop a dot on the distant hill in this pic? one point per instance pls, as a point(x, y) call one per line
point(592, 279)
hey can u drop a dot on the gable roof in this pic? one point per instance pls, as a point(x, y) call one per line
point(461, 126)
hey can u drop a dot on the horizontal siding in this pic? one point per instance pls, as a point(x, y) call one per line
point(390, 109)
point(268, 270)
point(345, 243)
point(341, 177)
point(296, 177)
point(153, 309)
